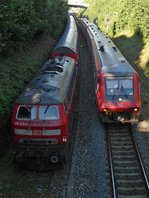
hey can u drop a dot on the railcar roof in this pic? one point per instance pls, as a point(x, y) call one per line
point(68, 41)
point(112, 60)
point(121, 69)
point(50, 86)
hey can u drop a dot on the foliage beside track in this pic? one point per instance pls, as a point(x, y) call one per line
point(23, 20)
point(123, 15)
point(26, 43)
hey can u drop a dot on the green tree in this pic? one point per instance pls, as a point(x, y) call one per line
point(20, 20)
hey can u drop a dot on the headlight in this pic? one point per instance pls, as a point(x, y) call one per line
point(64, 139)
point(23, 132)
point(135, 109)
point(51, 132)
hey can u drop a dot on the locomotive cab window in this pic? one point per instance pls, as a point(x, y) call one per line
point(48, 112)
point(119, 86)
point(26, 113)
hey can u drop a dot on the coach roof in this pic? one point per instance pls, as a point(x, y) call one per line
point(68, 41)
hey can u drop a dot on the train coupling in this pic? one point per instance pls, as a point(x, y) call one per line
point(19, 157)
point(54, 159)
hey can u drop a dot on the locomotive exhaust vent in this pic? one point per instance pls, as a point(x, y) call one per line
point(47, 87)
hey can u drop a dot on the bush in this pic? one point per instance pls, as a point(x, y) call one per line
point(20, 20)
point(123, 14)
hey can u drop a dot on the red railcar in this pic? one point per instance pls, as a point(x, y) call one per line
point(117, 84)
point(42, 113)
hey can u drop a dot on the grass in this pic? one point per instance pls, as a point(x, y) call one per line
point(137, 53)
point(16, 182)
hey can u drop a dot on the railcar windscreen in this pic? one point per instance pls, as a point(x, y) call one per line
point(119, 86)
point(48, 113)
point(27, 112)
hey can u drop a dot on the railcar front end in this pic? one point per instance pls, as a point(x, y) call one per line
point(39, 131)
point(119, 98)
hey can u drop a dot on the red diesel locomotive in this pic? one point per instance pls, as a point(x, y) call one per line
point(42, 113)
point(117, 84)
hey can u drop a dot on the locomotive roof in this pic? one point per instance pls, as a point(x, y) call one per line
point(50, 86)
point(68, 41)
point(111, 59)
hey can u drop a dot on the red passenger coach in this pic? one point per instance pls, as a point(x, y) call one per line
point(67, 45)
point(117, 84)
point(42, 113)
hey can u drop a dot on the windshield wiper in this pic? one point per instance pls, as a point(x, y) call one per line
point(46, 109)
point(116, 90)
point(123, 90)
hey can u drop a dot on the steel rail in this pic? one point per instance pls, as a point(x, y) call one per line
point(138, 158)
point(111, 167)
point(141, 163)
point(112, 173)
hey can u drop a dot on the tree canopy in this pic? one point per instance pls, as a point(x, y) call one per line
point(21, 20)
point(123, 14)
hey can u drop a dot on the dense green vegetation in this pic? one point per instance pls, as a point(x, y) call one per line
point(29, 31)
point(123, 14)
point(23, 20)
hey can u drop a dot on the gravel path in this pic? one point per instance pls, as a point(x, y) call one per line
point(88, 178)
point(141, 130)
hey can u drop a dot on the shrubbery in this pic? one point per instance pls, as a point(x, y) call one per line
point(21, 20)
point(123, 14)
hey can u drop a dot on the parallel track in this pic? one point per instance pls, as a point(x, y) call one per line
point(127, 171)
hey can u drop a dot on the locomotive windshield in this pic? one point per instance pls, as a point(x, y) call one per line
point(45, 112)
point(26, 113)
point(48, 113)
point(119, 87)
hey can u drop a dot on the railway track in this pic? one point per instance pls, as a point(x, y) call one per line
point(128, 174)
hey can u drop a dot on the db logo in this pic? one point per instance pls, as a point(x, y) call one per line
point(36, 132)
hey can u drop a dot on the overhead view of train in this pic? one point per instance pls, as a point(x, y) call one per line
point(42, 113)
point(117, 84)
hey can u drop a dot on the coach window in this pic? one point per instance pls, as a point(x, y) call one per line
point(127, 86)
point(26, 113)
point(48, 112)
point(111, 86)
